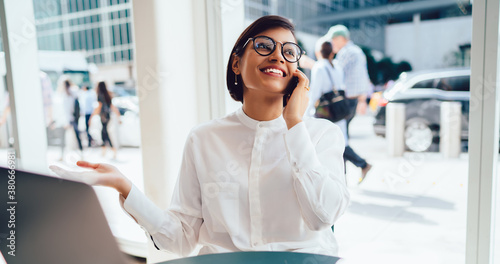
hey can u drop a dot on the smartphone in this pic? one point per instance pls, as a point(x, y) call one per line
point(289, 89)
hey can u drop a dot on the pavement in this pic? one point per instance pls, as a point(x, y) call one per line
point(409, 209)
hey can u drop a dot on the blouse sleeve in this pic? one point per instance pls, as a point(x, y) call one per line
point(318, 171)
point(176, 229)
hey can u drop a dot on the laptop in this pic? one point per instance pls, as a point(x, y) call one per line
point(52, 220)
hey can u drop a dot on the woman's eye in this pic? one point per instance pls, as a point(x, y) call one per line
point(290, 52)
point(264, 46)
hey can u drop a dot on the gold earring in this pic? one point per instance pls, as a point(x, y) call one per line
point(235, 79)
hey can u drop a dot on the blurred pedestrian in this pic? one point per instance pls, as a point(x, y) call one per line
point(88, 101)
point(104, 111)
point(47, 94)
point(326, 74)
point(353, 62)
point(46, 86)
point(69, 111)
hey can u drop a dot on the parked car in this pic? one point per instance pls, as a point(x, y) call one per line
point(122, 91)
point(422, 93)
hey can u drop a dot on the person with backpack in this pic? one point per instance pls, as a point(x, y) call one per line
point(67, 113)
point(104, 111)
point(326, 74)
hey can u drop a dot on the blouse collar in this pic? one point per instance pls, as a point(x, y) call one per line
point(254, 124)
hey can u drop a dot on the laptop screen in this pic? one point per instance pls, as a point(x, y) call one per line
point(50, 220)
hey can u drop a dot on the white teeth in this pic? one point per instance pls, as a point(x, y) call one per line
point(274, 71)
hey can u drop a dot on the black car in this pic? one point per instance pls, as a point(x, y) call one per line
point(422, 93)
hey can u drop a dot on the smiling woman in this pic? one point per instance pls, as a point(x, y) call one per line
point(263, 45)
point(260, 179)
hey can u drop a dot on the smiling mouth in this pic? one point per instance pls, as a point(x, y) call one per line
point(274, 71)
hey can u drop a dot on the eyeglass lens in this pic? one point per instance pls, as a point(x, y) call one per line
point(265, 46)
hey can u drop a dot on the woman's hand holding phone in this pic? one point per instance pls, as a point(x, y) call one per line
point(298, 101)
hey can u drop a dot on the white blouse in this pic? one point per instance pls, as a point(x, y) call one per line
point(246, 185)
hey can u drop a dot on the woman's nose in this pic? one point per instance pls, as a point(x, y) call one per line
point(277, 55)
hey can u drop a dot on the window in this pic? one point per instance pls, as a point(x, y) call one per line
point(460, 83)
point(456, 83)
point(424, 84)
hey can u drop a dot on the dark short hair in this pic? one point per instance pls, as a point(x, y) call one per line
point(326, 49)
point(260, 25)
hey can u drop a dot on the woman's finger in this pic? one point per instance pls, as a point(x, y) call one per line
point(86, 164)
point(303, 80)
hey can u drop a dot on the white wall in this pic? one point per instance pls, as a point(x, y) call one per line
point(426, 44)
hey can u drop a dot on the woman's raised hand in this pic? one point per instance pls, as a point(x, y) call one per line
point(100, 174)
point(298, 102)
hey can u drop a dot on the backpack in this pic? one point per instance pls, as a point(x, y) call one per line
point(105, 109)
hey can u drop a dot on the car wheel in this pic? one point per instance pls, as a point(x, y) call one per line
point(418, 135)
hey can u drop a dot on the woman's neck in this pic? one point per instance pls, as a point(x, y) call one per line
point(262, 108)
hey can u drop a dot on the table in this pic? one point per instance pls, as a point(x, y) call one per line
point(257, 257)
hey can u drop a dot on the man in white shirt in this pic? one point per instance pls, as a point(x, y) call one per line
point(88, 100)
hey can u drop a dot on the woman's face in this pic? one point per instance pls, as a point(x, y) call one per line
point(266, 74)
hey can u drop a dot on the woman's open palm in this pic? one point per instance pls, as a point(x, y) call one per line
point(100, 174)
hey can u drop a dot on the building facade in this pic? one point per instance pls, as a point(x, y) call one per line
point(101, 29)
point(366, 19)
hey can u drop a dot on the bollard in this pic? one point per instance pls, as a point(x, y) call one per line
point(395, 129)
point(451, 128)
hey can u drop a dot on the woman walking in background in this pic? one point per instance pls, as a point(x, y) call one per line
point(104, 111)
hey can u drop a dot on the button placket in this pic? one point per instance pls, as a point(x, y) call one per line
point(253, 188)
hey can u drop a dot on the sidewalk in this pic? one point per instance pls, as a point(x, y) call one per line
point(410, 209)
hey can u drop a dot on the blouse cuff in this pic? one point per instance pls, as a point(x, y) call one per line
point(301, 150)
point(143, 210)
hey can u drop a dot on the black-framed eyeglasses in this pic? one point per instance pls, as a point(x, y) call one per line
point(265, 46)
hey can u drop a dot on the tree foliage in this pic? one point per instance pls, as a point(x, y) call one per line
point(385, 69)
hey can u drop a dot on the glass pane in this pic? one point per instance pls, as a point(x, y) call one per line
point(496, 220)
point(69, 74)
point(410, 208)
point(6, 135)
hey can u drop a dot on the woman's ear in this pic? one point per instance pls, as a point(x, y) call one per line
point(236, 64)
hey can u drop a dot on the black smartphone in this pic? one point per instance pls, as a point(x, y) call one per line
point(289, 89)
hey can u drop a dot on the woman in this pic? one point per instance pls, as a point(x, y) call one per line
point(325, 74)
point(104, 111)
point(259, 179)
